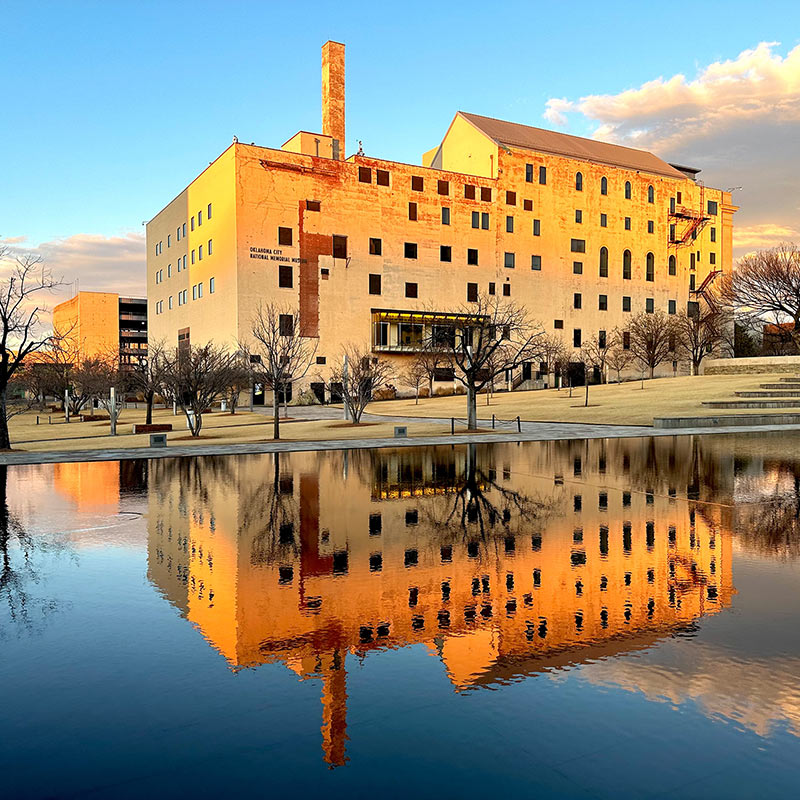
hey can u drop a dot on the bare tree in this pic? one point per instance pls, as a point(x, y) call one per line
point(110, 382)
point(415, 375)
point(766, 286)
point(241, 379)
point(490, 336)
point(619, 357)
point(699, 333)
point(147, 377)
point(652, 338)
point(282, 354)
point(430, 360)
point(196, 377)
point(552, 350)
point(358, 378)
point(594, 352)
point(23, 281)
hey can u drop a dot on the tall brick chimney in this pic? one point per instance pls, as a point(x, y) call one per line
point(333, 95)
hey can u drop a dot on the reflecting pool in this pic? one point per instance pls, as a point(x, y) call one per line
point(610, 618)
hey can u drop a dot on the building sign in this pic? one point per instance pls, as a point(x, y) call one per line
point(268, 254)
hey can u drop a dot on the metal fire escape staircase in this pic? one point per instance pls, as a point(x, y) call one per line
point(696, 220)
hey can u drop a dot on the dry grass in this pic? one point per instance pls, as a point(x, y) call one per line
point(218, 428)
point(617, 404)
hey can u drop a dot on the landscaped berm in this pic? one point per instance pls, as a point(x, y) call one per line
point(630, 403)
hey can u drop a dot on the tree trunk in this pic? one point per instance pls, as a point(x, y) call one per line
point(276, 416)
point(586, 400)
point(148, 419)
point(652, 371)
point(5, 441)
point(198, 424)
point(416, 398)
point(472, 408)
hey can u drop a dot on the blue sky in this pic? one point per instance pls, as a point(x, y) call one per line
point(110, 108)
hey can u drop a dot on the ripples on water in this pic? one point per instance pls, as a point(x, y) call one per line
point(660, 570)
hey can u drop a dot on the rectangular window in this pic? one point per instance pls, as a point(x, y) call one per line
point(469, 191)
point(511, 198)
point(509, 224)
point(365, 175)
point(650, 273)
point(577, 245)
point(672, 233)
point(651, 226)
point(199, 218)
point(169, 240)
point(537, 227)
point(491, 288)
point(712, 258)
point(576, 337)
point(506, 290)
point(382, 177)
point(713, 236)
point(527, 205)
point(672, 305)
point(210, 246)
point(285, 324)
point(211, 286)
point(472, 257)
point(691, 282)
point(577, 267)
point(412, 290)
point(374, 284)
point(443, 187)
point(412, 211)
point(178, 233)
point(169, 270)
point(285, 276)
point(313, 205)
point(509, 260)
point(199, 290)
point(486, 194)
point(649, 305)
point(200, 253)
point(626, 304)
point(543, 175)
point(578, 216)
point(712, 207)
point(445, 252)
point(602, 302)
point(529, 173)
point(325, 273)
point(192, 223)
point(194, 292)
point(417, 183)
point(184, 230)
point(536, 262)
point(472, 292)
point(410, 250)
point(626, 340)
point(476, 219)
point(484, 221)
point(558, 324)
point(193, 252)
point(339, 246)
point(169, 301)
point(375, 247)
point(284, 236)
point(577, 300)
point(445, 215)
point(601, 341)
point(604, 220)
point(673, 266)
point(208, 211)
point(627, 223)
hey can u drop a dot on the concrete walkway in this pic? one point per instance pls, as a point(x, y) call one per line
point(531, 432)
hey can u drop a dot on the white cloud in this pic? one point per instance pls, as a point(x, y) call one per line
point(737, 120)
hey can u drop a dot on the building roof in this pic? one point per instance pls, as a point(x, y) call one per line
point(513, 134)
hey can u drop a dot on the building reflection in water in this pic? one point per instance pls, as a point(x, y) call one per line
point(504, 560)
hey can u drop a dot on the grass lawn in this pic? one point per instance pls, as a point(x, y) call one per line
point(617, 404)
point(218, 428)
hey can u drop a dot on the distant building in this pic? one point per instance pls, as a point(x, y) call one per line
point(584, 234)
point(98, 323)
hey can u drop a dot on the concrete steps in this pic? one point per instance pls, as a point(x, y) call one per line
point(787, 385)
point(773, 393)
point(794, 379)
point(727, 421)
point(752, 403)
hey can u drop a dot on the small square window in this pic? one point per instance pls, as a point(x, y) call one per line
point(382, 177)
point(712, 207)
point(578, 245)
point(412, 290)
point(486, 194)
point(527, 205)
point(325, 273)
point(410, 249)
point(577, 267)
point(375, 247)
point(313, 205)
point(508, 260)
point(443, 187)
point(511, 198)
point(417, 183)
point(536, 262)
point(321, 360)
point(284, 236)
point(469, 191)
point(365, 175)
point(445, 215)
point(558, 324)
point(445, 252)
point(472, 257)
point(506, 290)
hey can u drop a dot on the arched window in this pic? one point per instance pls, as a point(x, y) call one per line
point(626, 265)
point(651, 194)
point(650, 272)
point(673, 266)
point(603, 262)
point(578, 182)
point(604, 185)
point(627, 190)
